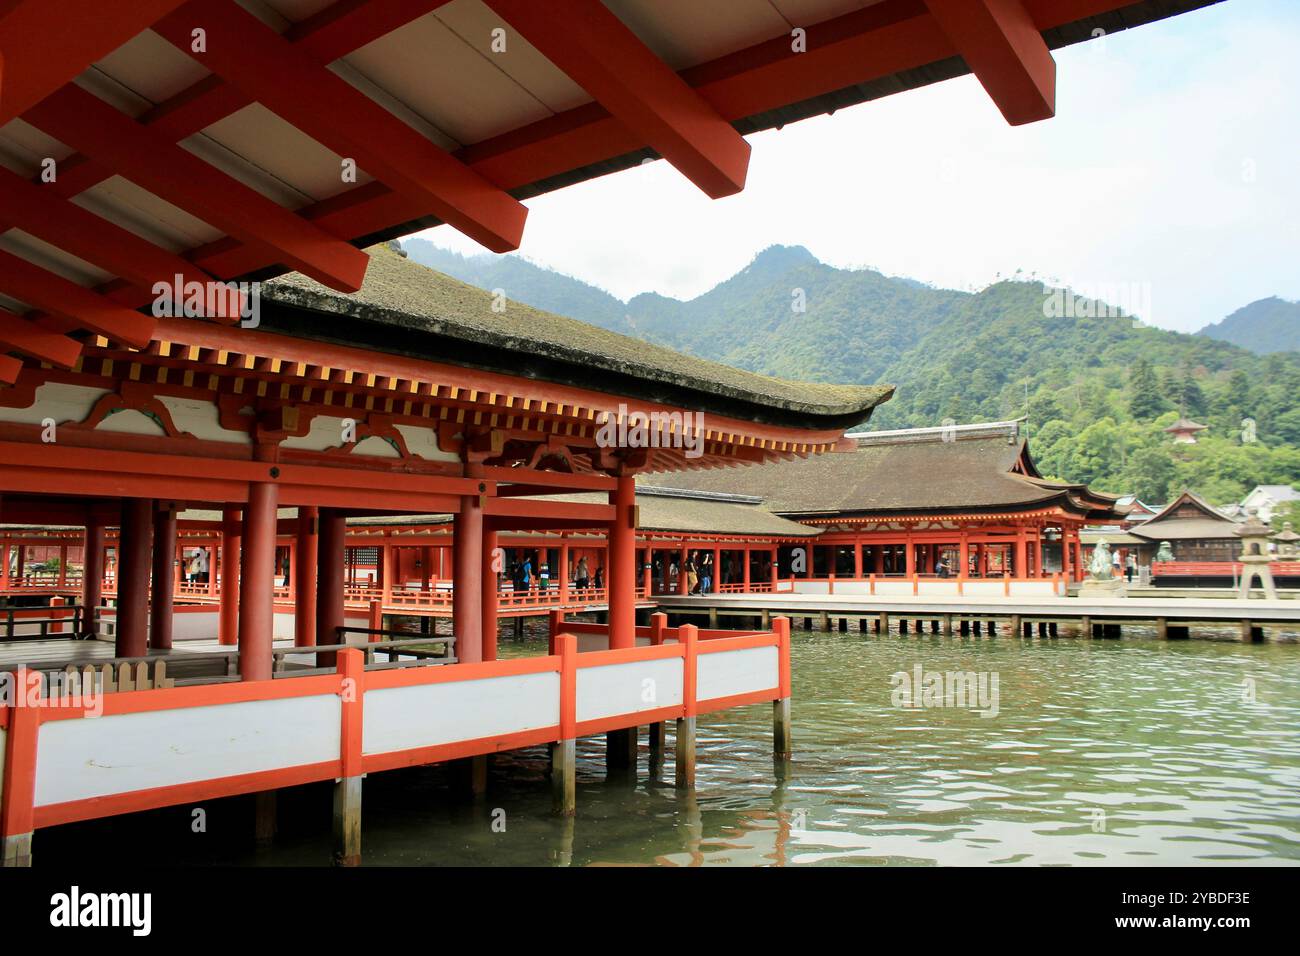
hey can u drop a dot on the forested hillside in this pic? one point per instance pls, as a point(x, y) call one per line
point(1097, 389)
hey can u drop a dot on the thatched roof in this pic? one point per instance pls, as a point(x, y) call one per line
point(405, 308)
point(1187, 517)
point(939, 470)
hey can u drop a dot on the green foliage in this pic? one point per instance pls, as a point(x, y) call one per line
point(1097, 390)
point(1146, 398)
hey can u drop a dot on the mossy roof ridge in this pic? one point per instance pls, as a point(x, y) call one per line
point(404, 295)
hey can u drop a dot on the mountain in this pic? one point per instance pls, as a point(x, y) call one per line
point(524, 282)
point(1268, 325)
point(1097, 388)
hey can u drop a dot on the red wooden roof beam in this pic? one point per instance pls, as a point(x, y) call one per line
point(90, 125)
point(253, 57)
point(21, 335)
point(53, 293)
point(1003, 47)
point(590, 44)
point(45, 45)
point(36, 210)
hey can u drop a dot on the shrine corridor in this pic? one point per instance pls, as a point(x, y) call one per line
point(1103, 752)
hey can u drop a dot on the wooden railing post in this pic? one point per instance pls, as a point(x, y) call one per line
point(347, 790)
point(555, 624)
point(18, 787)
point(781, 738)
point(563, 753)
point(684, 769)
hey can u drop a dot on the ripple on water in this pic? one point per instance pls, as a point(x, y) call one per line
point(1117, 752)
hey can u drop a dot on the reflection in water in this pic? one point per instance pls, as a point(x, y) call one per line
point(1119, 752)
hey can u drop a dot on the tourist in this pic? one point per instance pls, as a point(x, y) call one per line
point(692, 576)
point(599, 582)
point(526, 573)
point(1116, 564)
point(941, 569)
point(582, 577)
point(706, 574)
point(1130, 566)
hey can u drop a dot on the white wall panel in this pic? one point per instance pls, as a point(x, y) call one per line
point(403, 718)
point(92, 757)
point(737, 672)
point(628, 688)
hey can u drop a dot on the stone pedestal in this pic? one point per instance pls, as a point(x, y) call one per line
point(1103, 588)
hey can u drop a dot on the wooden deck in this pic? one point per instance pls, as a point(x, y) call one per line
point(1171, 617)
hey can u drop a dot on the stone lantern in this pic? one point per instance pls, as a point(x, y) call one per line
point(1255, 558)
point(1286, 542)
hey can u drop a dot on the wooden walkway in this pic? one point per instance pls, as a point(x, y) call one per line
point(1171, 617)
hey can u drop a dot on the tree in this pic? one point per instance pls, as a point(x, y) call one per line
point(1145, 401)
point(1148, 474)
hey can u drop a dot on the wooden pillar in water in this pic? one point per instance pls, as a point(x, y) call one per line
point(564, 788)
point(782, 749)
point(684, 765)
point(347, 790)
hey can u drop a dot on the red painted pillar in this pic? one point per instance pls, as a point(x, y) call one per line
point(1066, 570)
point(776, 566)
point(228, 610)
point(257, 583)
point(622, 565)
point(305, 561)
point(134, 542)
point(682, 586)
point(63, 566)
point(910, 557)
point(857, 558)
point(490, 589)
point(331, 534)
point(563, 570)
point(214, 551)
point(390, 570)
point(467, 581)
point(164, 579)
point(92, 574)
point(4, 564)
point(1022, 554)
point(744, 580)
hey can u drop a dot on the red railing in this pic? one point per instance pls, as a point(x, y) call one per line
point(285, 758)
point(1222, 569)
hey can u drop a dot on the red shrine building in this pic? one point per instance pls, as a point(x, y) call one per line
point(953, 501)
point(161, 160)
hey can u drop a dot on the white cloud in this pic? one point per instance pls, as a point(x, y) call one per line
point(1139, 178)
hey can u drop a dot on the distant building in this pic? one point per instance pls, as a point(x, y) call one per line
point(957, 499)
point(1184, 431)
point(1195, 530)
point(1265, 499)
point(1138, 511)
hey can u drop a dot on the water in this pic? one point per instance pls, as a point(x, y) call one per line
point(1132, 752)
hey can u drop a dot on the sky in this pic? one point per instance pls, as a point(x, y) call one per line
point(1171, 170)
